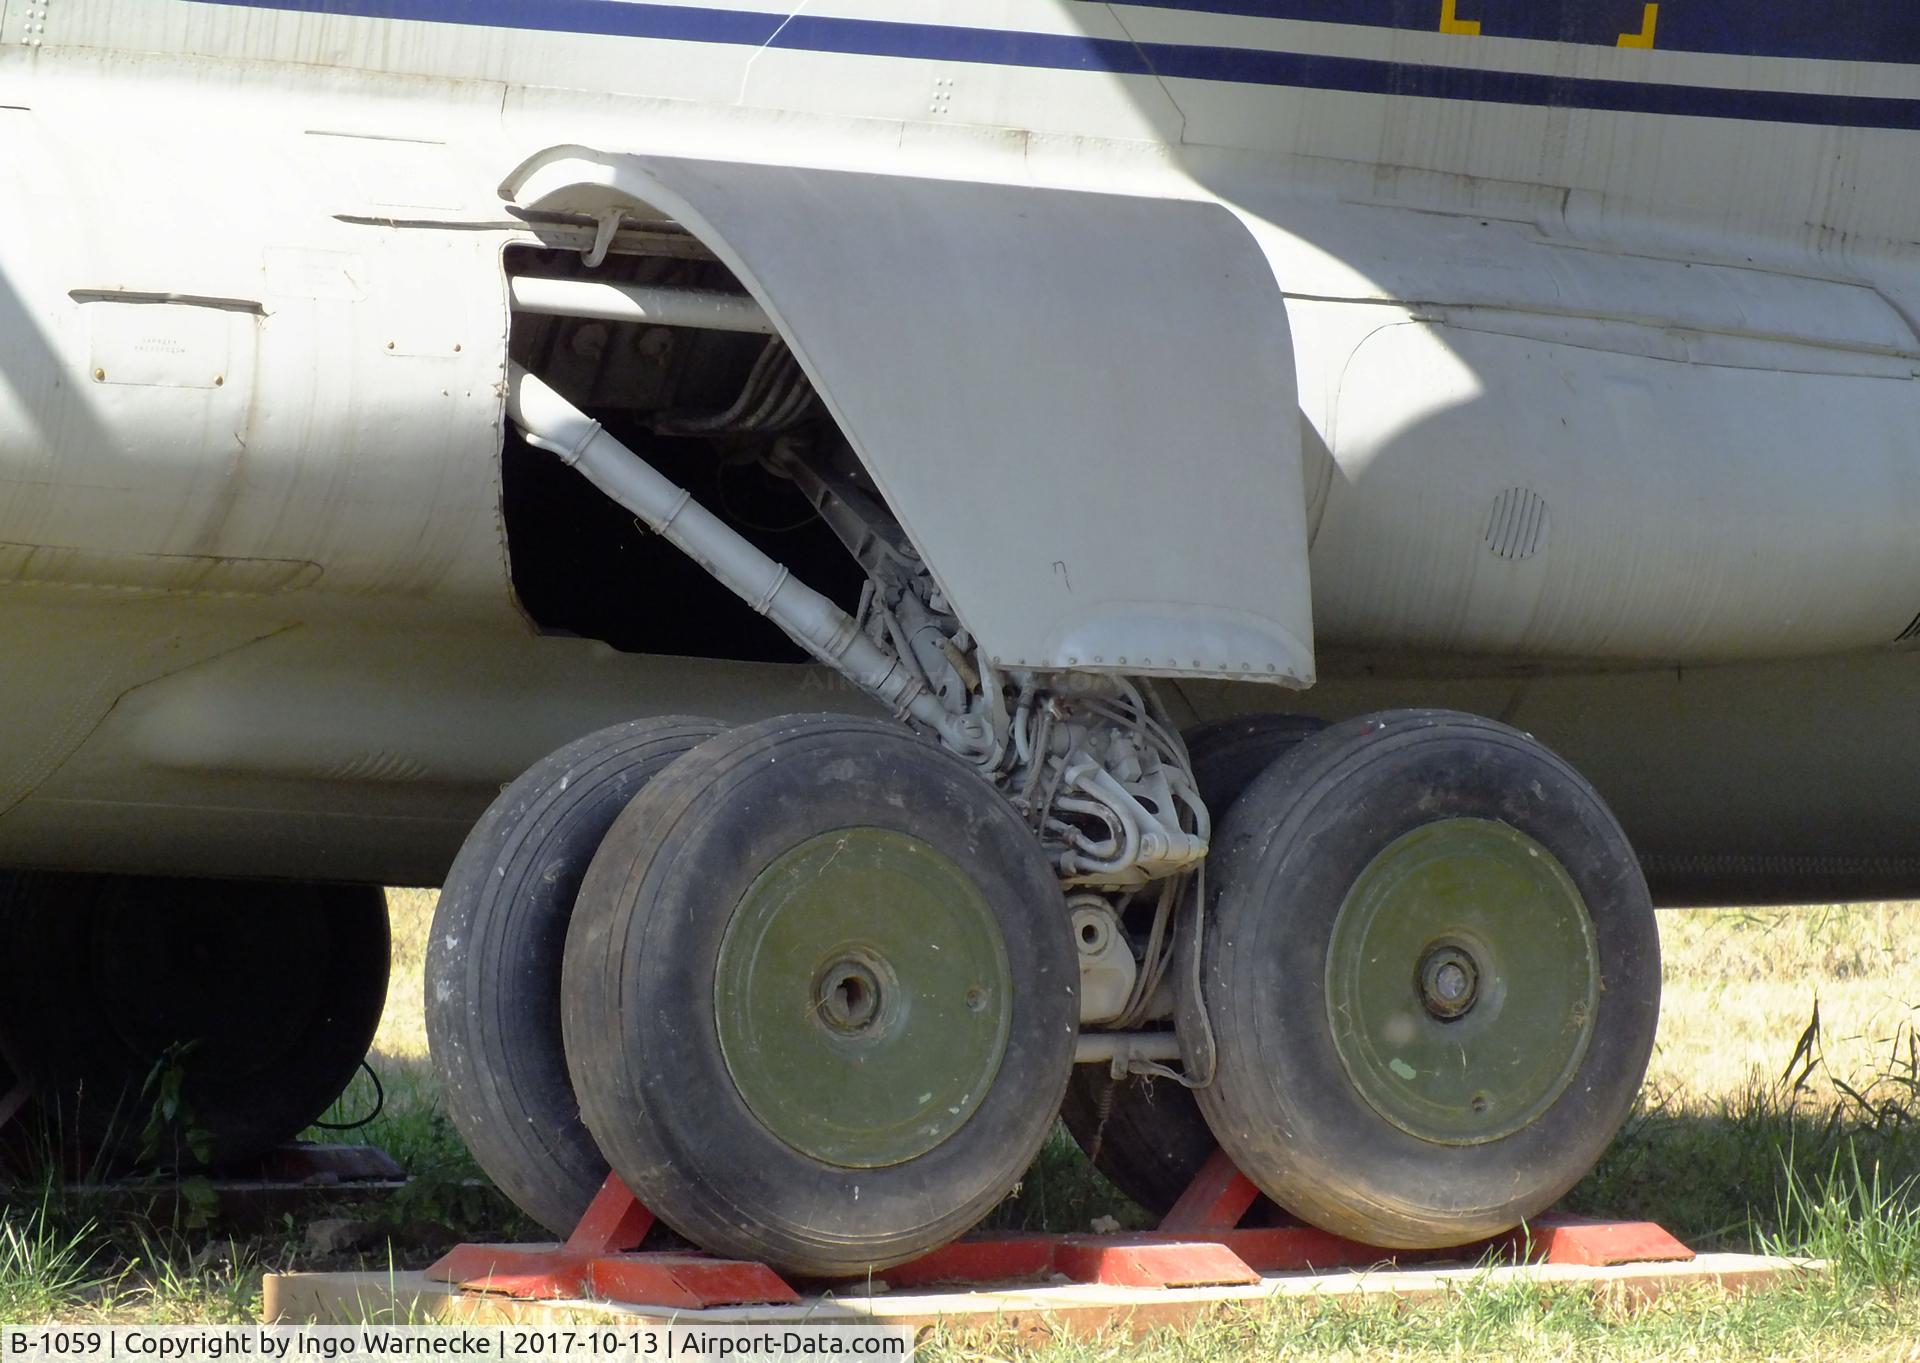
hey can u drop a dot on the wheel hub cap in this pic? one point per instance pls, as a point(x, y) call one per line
point(849, 996)
point(1462, 980)
point(1449, 981)
point(861, 997)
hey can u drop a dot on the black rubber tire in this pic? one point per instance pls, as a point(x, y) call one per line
point(1148, 1135)
point(641, 1032)
point(1228, 754)
point(1281, 1102)
point(267, 994)
point(492, 975)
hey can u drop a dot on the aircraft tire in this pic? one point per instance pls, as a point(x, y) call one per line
point(821, 996)
point(494, 958)
point(1432, 974)
point(186, 1023)
point(1148, 1136)
point(1228, 754)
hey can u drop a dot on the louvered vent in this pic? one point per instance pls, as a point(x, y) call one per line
point(377, 766)
point(1517, 524)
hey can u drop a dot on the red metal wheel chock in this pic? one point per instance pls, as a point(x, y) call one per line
point(1199, 1243)
point(596, 1261)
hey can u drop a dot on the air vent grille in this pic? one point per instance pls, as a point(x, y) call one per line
point(1517, 524)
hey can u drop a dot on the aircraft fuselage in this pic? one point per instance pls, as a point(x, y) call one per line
point(1602, 343)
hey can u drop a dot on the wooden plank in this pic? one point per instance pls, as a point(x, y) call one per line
point(350, 1298)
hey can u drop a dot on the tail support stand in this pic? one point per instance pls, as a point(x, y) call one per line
point(1200, 1243)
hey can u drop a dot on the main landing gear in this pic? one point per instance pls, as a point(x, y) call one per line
point(816, 988)
point(819, 999)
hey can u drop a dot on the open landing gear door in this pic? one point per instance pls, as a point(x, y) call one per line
point(1081, 406)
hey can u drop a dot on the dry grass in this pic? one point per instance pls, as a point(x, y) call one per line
point(1740, 987)
point(403, 1027)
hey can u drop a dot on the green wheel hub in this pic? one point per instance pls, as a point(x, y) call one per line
point(1462, 981)
point(862, 997)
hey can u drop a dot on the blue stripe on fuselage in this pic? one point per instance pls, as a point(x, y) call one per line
point(1813, 30)
point(1077, 52)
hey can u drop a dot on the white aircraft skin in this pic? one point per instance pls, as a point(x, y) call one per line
point(1601, 316)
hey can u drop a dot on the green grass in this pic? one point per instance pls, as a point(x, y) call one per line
point(1063, 1192)
point(1759, 1173)
point(175, 1277)
point(45, 1264)
point(1491, 1323)
point(1732, 1176)
point(1862, 1221)
point(1866, 1307)
point(447, 1198)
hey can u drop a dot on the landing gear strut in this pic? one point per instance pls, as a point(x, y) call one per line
point(1147, 1134)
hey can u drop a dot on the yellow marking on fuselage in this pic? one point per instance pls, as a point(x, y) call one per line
point(1451, 22)
point(1644, 38)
